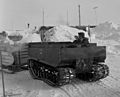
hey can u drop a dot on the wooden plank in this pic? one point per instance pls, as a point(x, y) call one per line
point(7, 58)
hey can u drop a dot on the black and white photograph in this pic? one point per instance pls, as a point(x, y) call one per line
point(59, 48)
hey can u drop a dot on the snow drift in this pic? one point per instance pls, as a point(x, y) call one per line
point(28, 35)
point(62, 33)
point(107, 34)
point(31, 38)
point(107, 31)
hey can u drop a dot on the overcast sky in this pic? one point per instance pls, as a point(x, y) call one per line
point(15, 14)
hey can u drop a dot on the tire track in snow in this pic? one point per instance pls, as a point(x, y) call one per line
point(96, 89)
point(112, 82)
point(117, 79)
point(67, 93)
point(78, 90)
point(72, 90)
point(117, 93)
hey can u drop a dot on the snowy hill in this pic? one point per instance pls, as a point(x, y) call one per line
point(107, 34)
point(107, 31)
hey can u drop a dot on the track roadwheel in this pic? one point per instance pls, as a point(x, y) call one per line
point(51, 75)
point(32, 69)
point(97, 72)
point(65, 75)
point(43, 72)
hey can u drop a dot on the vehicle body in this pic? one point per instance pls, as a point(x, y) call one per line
point(58, 63)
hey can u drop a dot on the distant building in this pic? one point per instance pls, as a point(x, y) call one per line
point(83, 27)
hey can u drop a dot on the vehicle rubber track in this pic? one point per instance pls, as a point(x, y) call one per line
point(51, 75)
point(96, 73)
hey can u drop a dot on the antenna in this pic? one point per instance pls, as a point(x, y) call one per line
point(43, 16)
point(79, 15)
point(67, 18)
point(95, 10)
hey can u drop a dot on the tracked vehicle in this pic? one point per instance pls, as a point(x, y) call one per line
point(58, 63)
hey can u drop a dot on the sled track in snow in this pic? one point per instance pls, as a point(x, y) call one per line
point(114, 78)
